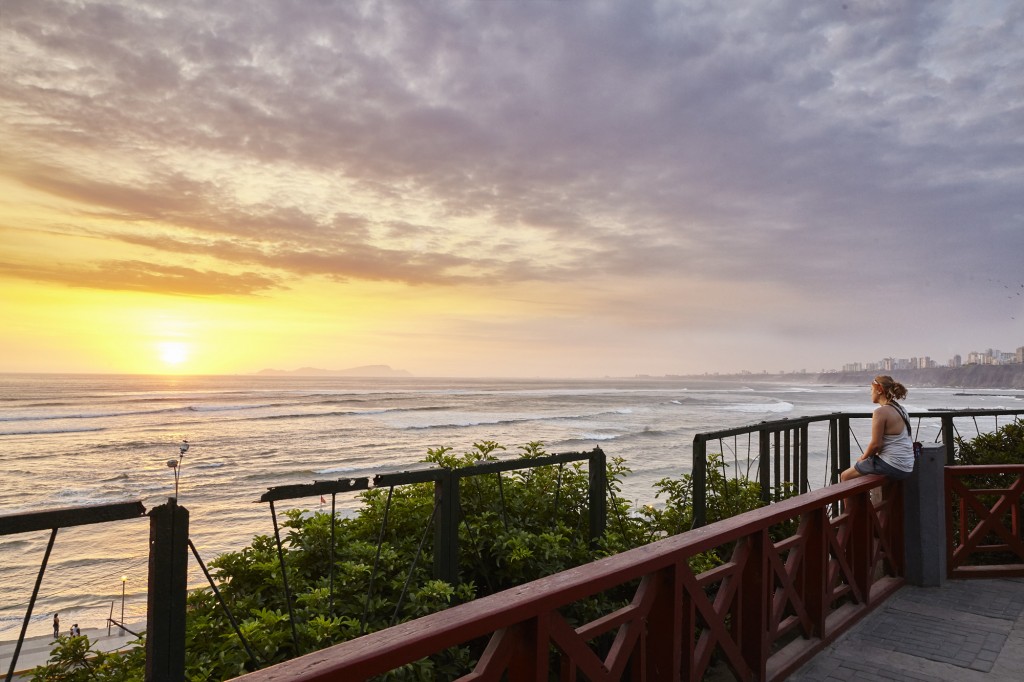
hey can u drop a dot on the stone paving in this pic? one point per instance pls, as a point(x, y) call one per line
point(964, 631)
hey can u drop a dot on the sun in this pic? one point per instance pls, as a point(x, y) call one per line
point(173, 353)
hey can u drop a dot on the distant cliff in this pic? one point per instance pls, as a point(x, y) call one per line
point(968, 376)
point(364, 371)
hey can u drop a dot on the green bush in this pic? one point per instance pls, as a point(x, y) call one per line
point(511, 532)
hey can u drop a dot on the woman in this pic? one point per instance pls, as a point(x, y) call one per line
point(891, 451)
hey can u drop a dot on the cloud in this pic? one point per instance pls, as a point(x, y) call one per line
point(145, 277)
point(816, 150)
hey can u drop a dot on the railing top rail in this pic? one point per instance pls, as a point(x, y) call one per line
point(942, 411)
point(778, 425)
point(793, 422)
point(425, 474)
point(70, 516)
point(521, 463)
point(503, 609)
point(970, 469)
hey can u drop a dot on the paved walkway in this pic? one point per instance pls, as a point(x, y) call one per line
point(964, 631)
point(35, 651)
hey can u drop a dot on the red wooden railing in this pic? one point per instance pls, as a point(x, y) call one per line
point(988, 521)
point(763, 613)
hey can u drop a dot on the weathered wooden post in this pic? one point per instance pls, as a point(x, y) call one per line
point(168, 582)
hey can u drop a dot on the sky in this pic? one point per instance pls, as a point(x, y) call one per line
point(498, 188)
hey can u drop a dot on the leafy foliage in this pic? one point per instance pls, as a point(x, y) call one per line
point(1005, 445)
point(515, 527)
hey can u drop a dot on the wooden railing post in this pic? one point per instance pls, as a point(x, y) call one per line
point(815, 569)
point(859, 547)
point(168, 583)
point(665, 625)
point(755, 602)
point(530, 662)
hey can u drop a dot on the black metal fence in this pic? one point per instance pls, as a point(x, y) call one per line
point(53, 520)
point(169, 542)
point(779, 451)
point(781, 456)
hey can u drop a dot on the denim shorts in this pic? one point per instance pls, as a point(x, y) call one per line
point(876, 465)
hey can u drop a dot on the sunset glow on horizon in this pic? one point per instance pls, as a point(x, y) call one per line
point(508, 189)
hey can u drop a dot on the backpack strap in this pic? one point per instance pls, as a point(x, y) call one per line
point(906, 417)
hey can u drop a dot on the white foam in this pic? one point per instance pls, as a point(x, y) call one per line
point(599, 436)
point(761, 407)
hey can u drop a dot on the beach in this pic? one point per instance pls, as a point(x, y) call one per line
point(35, 651)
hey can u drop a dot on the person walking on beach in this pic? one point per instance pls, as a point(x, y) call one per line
point(891, 450)
point(56, 626)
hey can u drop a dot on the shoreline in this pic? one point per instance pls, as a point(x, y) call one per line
point(35, 650)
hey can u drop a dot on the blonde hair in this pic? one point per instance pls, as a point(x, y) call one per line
point(891, 389)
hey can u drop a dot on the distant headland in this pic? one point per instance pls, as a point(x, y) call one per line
point(364, 371)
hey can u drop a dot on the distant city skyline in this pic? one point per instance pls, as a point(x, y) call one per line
point(990, 356)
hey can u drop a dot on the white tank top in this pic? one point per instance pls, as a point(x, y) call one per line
point(898, 450)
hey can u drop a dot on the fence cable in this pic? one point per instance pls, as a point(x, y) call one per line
point(223, 605)
point(416, 559)
point(376, 561)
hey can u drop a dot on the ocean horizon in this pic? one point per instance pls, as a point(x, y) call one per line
point(84, 439)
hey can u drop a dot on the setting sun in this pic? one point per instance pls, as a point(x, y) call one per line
point(173, 352)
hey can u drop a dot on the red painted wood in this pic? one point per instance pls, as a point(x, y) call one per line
point(814, 584)
point(991, 520)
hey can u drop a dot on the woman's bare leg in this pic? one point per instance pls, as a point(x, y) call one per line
point(850, 474)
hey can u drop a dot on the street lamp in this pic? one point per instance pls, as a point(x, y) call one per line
point(176, 465)
point(124, 580)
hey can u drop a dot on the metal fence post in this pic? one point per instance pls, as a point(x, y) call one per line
point(446, 532)
point(168, 582)
point(764, 463)
point(948, 439)
point(844, 444)
point(598, 494)
point(700, 477)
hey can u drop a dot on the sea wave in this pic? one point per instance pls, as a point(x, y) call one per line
point(755, 408)
point(597, 436)
point(40, 432)
point(86, 415)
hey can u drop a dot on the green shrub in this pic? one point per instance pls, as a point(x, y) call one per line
point(512, 531)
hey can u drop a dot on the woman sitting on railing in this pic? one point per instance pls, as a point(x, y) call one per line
point(891, 450)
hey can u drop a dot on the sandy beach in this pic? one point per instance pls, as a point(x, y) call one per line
point(35, 651)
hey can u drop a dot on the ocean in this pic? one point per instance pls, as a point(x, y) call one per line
point(68, 440)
